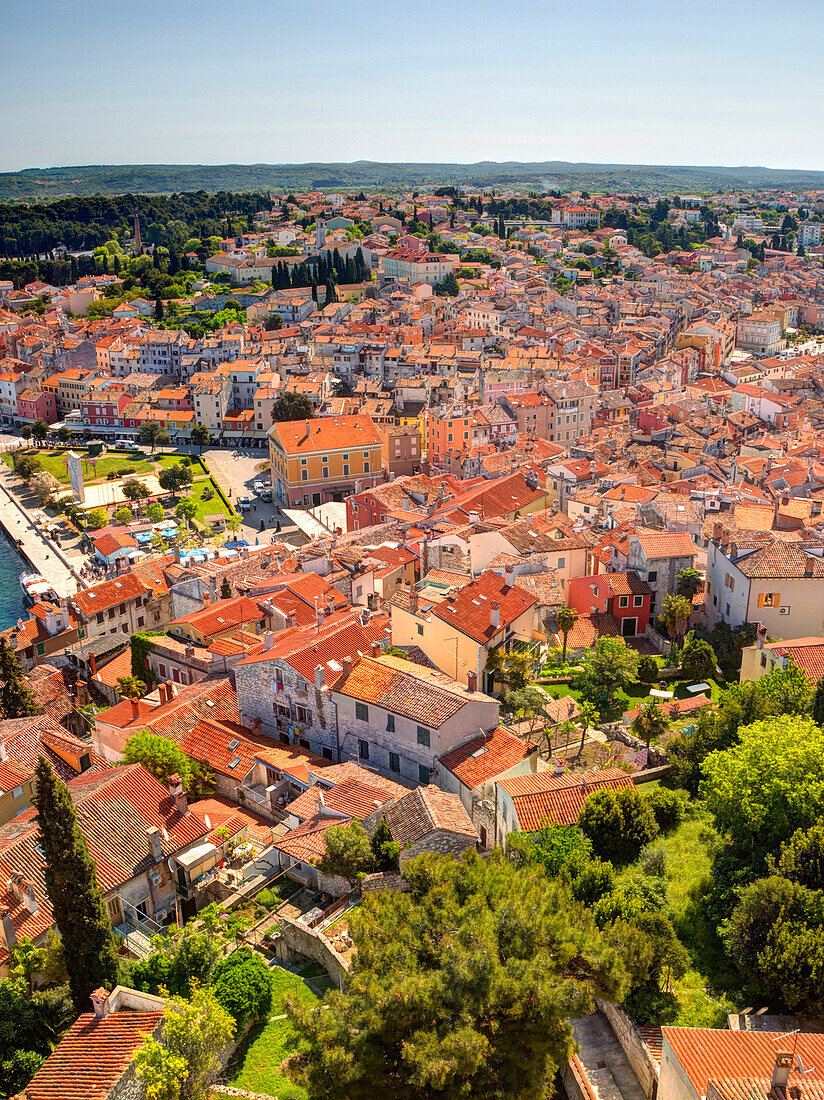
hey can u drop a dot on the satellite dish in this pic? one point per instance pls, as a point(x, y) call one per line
point(208, 822)
point(171, 864)
point(165, 834)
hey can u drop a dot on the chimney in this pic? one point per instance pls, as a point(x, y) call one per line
point(257, 725)
point(207, 599)
point(100, 1002)
point(782, 1069)
point(155, 845)
point(330, 604)
point(347, 665)
point(472, 681)
point(291, 620)
point(495, 614)
point(213, 588)
point(320, 677)
point(376, 649)
point(268, 639)
point(3, 754)
point(178, 794)
point(135, 709)
point(189, 650)
point(760, 636)
point(8, 933)
point(413, 601)
point(717, 530)
point(509, 576)
point(93, 664)
point(321, 618)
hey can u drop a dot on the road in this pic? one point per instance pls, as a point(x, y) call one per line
point(235, 476)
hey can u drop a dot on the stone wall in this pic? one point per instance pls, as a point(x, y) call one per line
point(296, 937)
point(439, 841)
point(644, 1066)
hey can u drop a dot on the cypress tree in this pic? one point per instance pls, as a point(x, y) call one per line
point(158, 312)
point(16, 698)
point(71, 883)
point(331, 294)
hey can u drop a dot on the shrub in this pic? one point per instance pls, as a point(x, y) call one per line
point(667, 807)
point(654, 862)
point(267, 898)
point(207, 493)
point(111, 475)
point(185, 461)
point(242, 984)
point(124, 471)
point(592, 881)
point(619, 823)
point(647, 670)
point(649, 1005)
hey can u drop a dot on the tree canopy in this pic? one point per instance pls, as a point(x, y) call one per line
point(463, 986)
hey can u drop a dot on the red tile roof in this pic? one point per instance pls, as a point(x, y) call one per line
point(426, 810)
point(469, 611)
point(92, 1056)
point(547, 797)
point(707, 1053)
point(423, 694)
point(669, 544)
point(484, 758)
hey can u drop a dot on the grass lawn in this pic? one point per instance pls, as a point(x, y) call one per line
point(52, 462)
point(688, 852)
point(255, 1064)
point(207, 507)
point(635, 694)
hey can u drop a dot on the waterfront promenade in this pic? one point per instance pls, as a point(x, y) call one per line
point(45, 555)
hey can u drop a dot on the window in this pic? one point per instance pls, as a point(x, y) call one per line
point(652, 576)
point(363, 750)
point(423, 774)
point(346, 469)
point(420, 629)
point(623, 601)
point(17, 793)
point(326, 471)
point(637, 601)
point(303, 462)
point(140, 620)
point(304, 475)
point(366, 454)
point(394, 762)
point(366, 468)
point(390, 723)
point(561, 563)
point(346, 457)
point(303, 715)
point(423, 736)
point(362, 712)
point(763, 660)
point(768, 599)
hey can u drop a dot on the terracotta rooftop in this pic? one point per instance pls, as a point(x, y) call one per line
point(484, 758)
point(426, 810)
point(547, 797)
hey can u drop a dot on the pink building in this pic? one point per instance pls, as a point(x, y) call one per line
point(37, 405)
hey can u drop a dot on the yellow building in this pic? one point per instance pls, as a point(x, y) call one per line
point(16, 790)
point(327, 458)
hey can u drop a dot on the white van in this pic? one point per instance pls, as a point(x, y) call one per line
point(124, 445)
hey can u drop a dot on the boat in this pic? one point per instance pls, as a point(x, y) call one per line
point(35, 587)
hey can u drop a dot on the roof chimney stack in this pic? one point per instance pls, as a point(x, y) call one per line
point(7, 932)
point(100, 1002)
point(781, 1070)
point(320, 677)
point(495, 614)
point(509, 576)
point(155, 844)
point(178, 794)
point(472, 681)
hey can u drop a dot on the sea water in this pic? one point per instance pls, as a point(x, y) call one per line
point(12, 564)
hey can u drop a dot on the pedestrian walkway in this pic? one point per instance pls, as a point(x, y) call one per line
point(35, 545)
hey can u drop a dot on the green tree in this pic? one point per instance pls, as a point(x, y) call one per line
point(448, 286)
point(675, 613)
point(186, 1063)
point(124, 515)
point(565, 619)
point(26, 431)
point(769, 784)
point(225, 589)
point(175, 478)
point(462, 986)
point(786, 690)
point(242, 984)
point(151, 433)
point(384, 849)
point(818, 702)
point(186, 510)
point(97, 517)
point(158, 755)
point(698, 661)
point(606, 669)
point(134, 489)
point(619, 823)
point(689, 583)
point(71, 884)
point(650, 723)
point(158, 309)
point(16, 697)
point(802, 857)
point(273, 322)
point(64, 434)
point(202, 436)
point(129, 687)
point(292, 406)
point(586, 718)
point(154, 512)
point(348, 852)
point(39, 430)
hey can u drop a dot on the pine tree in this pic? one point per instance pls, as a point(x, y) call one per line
point(71, 884)
point(16, 698)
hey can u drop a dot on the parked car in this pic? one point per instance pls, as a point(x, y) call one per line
point(244, 503)
point(258, 486)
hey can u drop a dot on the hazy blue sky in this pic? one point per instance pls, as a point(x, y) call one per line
point(651, 81)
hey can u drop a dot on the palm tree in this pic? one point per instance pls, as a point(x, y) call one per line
point(586, 718)
point(565, 618)
point(689, 582)
point(129, 687)
point(650, 723)
point(675, 613)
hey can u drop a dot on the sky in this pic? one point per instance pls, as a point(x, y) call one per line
point(732, 82)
